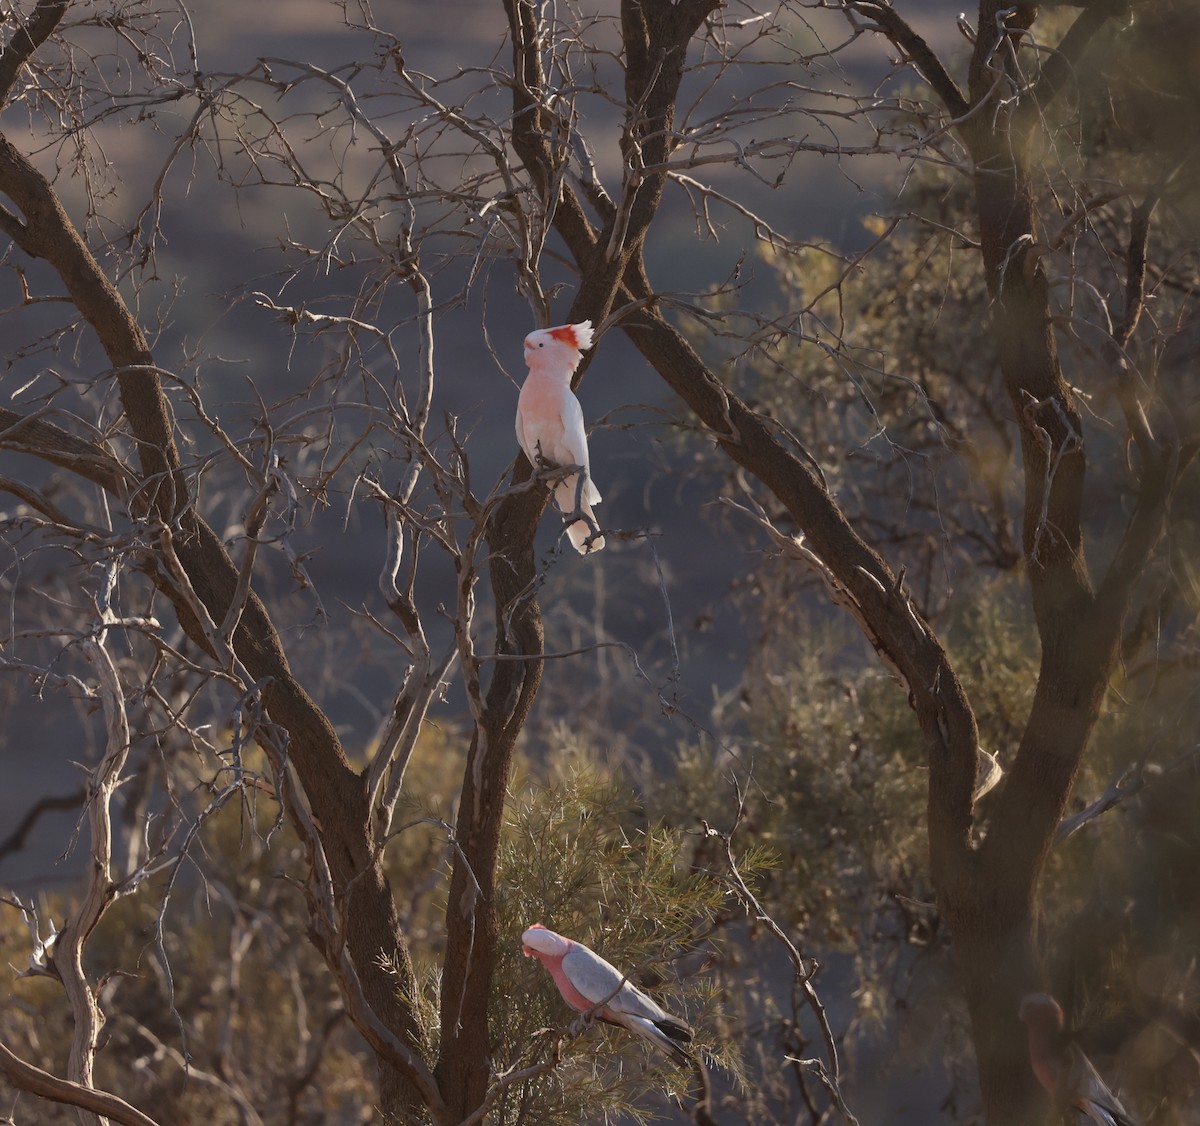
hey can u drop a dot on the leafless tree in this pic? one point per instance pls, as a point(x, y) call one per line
point(550, 165)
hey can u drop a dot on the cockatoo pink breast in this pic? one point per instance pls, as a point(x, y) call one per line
point(550, 949)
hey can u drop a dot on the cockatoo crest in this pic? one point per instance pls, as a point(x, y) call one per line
point(558, 349)
point(577, 336)
point(544, 941)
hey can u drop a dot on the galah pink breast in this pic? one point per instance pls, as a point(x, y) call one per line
point(1063, 1069)
point(587, 982)
point(550, 424)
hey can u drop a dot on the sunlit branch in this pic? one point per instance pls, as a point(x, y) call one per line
point(26, 1077)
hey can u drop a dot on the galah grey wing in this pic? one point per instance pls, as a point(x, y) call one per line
point(623, 1003)
point(1091, 1094)
point(1101, 1114)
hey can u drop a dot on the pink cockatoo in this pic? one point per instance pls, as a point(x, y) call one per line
point(1063, 1069)
point(550, 424)
point(587, 982)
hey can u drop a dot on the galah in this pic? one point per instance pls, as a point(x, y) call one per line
point(587, 982)
point(550, 424)
point(1062, 1068)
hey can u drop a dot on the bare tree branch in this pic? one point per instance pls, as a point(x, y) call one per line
point(896, 28)
point(33, 435)
point(26, 1077)
point(16, 838)
point(1060, 67)
point(26, 39)
point(804, 970)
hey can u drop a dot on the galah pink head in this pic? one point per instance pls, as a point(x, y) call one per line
point(1047, 1055)
point(538, 940)
point(1041, 1011)
point(559, 347)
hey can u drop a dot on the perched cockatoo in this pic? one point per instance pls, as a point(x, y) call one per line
point(550, 424)
point(588, 982)
point(1063, 1069)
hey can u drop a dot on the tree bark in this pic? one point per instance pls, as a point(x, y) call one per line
point(990, 901)
point(472, 933)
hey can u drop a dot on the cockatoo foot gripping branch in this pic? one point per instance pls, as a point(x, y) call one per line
point(590, 984)
point(580, 511)
point(550, 426)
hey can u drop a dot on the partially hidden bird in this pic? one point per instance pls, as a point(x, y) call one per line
point(587, 982)
point(550, 425)
point(1061, 1067)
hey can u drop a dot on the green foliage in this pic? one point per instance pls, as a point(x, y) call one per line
point(1120, 917)
point(1137, 101)
point(828, 766)
point(580, 856)
point(990, 635)
point(831, 782)
point(235, 987)
point(255, 1008)
point(903, 407)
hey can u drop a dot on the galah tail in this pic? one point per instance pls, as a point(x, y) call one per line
point(1062, 1068)
point(587, 982)
point(550, 424)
